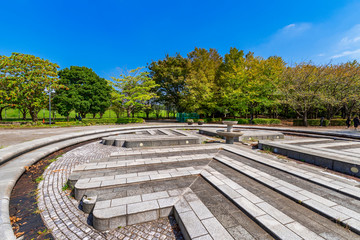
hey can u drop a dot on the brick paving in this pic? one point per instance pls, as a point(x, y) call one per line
point(62, 214)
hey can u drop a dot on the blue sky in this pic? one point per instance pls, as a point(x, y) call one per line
point(110, 35)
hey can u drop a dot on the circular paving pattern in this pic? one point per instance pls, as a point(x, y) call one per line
point(62, 215)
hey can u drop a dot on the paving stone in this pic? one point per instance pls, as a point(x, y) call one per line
point(200, 210)
point(142, 206)
point(275, 213)
point(192, 224)
point(277, 228)
point(155, 195)
point(137, 179)
point(249, 207)
point(125, 200)
point(302, 231)
point(216, 230)
point(327, 211)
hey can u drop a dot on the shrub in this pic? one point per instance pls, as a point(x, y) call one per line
point(129, 120)
point(338, 122)
point(200, 120)
point(189, 120)
point(212, 120)
point(267, 121)
point(311, 122)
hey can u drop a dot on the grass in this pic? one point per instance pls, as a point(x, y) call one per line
point(13, 115)
point(39, 179)
point(65, 187)
point(52, 160)
point(38, 211)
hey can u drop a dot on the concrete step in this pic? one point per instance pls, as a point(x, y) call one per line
point(93, 184)
point(193, 217)
point(336, 185)
point(311, 200)
point(164, 152)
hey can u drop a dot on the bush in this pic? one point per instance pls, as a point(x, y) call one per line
point(338, 122)
point(99, 120)
point(190, 120)
point(266, 121)
point(311, 122)
point(256, 121)
point(212, 120)
point(129, 120)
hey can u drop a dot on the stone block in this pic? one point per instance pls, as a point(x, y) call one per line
point(142, 206)
point(155, 195)
point(216, 230)
point(141, 217)
point(200, 210)
point(190, 225)
point(277, 228)
point(126, 200)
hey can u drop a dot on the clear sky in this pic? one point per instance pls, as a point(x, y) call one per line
point(112, 34)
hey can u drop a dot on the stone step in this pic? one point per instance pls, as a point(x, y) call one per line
point(164, 152)
point(336, 185)
point(276, 222)
point(96, 169)
point(96, 183)
point(193, 217)
point(340, 161)
point(313, 201)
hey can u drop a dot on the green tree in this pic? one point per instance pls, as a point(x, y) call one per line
point(200, 83)
point(170, 74)
point(85, 92)
point(246, 82)
point(27, 76)
point(135, 88)
point(301, 87)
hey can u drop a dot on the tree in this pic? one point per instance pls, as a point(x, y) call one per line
point(200, 83)
point(301, 87)
point(85, 92)
point(170, 74)
point(341, 88)
point(135, 88)
point(27, 76)
point(246, 81)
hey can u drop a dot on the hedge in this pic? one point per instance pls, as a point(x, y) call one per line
point(257, 121)
point(212, 120)
point(112, 120)
point(129, 120)
point(311, 122)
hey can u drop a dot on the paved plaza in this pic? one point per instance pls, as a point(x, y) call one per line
point(208, 191)
point(175, 183)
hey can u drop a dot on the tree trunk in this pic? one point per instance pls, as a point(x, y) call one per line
point(133, 114)
point(128, 113)
point(101, 115)
point(68, 118)
point(305, 119)
point(147, 115)
point(1, 109)
point(117, 114)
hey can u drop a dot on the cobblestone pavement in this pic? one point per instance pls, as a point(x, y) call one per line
point(63, 216)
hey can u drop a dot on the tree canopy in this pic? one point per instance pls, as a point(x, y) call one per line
point(84, 91)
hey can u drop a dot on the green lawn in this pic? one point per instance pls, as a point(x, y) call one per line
point(15, 115)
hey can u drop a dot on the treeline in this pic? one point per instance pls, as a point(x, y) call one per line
point(234, 85)
point(240, 84)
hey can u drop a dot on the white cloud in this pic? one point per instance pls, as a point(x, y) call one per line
point(353, 53)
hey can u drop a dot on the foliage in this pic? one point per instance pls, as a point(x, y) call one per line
point(169, 74)
point(338, 122)
point(84, 91)
point(200, 90)
point(129, 120)
point(310, 122)
point(264, 121)
point(134, 90)
point(189, 120)
point(23, 80)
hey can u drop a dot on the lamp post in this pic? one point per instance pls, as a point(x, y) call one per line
point(49, 91)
